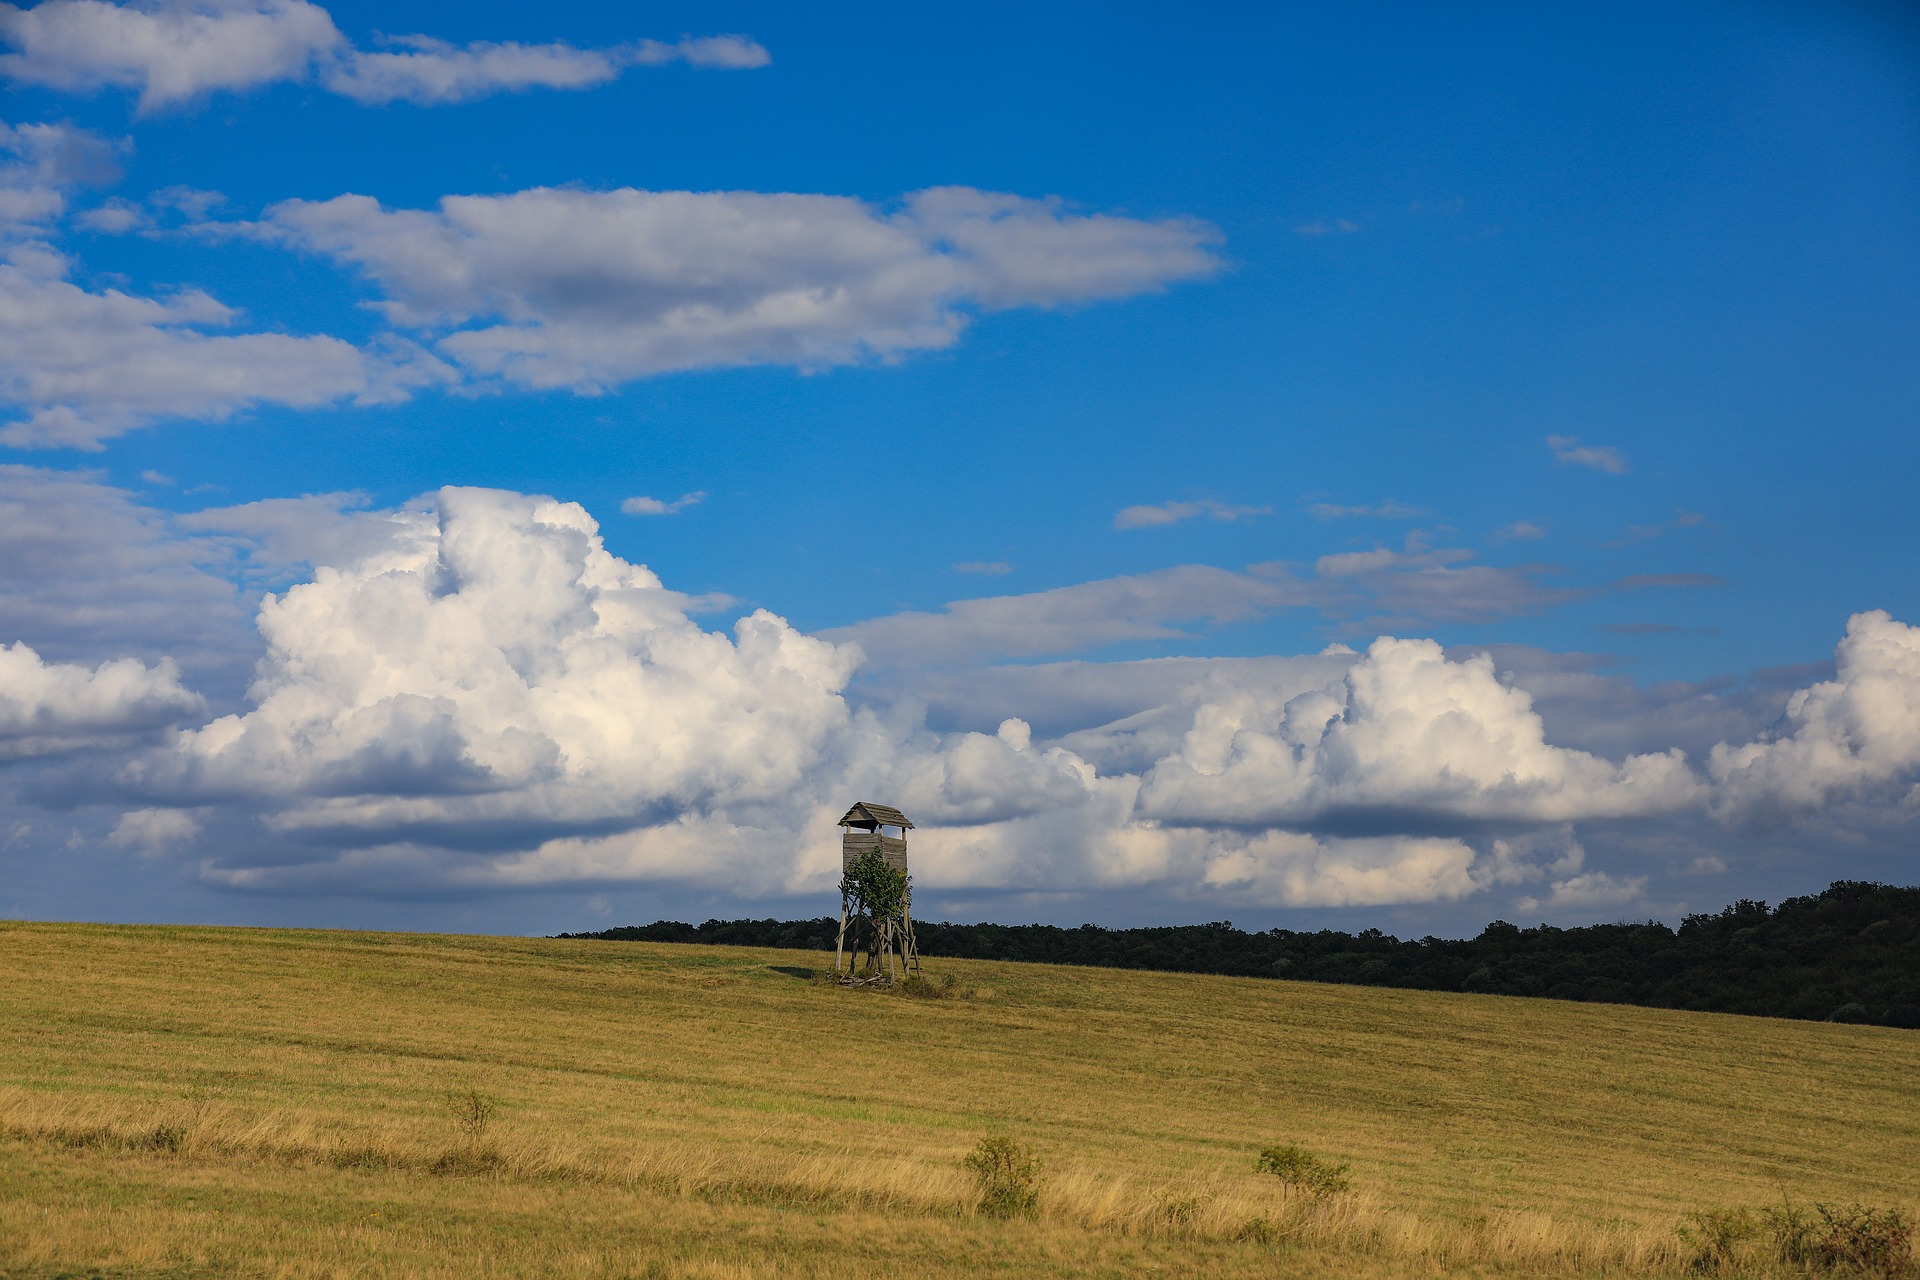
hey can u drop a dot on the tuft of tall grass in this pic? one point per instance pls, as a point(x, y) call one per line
point(1226, 1206)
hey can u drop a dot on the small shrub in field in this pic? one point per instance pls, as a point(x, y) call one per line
point(1853, 1241)
point(1873, 1242)
point(1009, 1177)
point(1792, 1230)
point(1714, 1234)
point(472, 1111)
point(1297, 1167)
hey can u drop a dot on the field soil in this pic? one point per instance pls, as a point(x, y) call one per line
point(201, 1102)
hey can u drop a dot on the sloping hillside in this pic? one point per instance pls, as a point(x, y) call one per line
point(219, 1101)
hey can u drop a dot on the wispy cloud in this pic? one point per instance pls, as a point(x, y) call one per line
point(1520, 531)
point(174, 53)
point(1654, 629)
point(1086, 615)
point(644, 506)
point(87, 366)
point(1682, 519)
point(1634, 580)
point(1361, 592)
point(1600, 457)
point(1388, 510)
point(428, 71)
point(116, 216)
point(1327, 227)
point(1149, 517)
point(983, 566)
point(721, 53)
point(1388, 588)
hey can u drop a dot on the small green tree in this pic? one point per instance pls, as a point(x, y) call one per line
point(878, 895)
point(1298, 1167)
point(1009, 1177)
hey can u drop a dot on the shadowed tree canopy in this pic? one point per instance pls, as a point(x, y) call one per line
point(1849, 954)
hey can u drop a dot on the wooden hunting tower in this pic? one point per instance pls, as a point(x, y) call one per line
point(864, 831)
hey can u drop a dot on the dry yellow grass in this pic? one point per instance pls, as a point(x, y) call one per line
point(275, 1102)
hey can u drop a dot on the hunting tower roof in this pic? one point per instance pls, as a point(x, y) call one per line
point(880, 815)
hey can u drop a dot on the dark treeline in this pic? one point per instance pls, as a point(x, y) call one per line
point(1849, 954)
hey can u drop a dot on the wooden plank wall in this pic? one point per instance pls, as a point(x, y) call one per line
point(855, 843)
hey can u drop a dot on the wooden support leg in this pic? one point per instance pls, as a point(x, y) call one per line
point(840, 943)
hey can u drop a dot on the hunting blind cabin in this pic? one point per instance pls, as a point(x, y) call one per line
point(882, 929)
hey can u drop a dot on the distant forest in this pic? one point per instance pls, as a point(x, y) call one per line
point(1848, 954)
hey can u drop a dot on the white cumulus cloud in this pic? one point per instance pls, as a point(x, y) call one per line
point(470, 693)
point(167, 52)
point(1405, 736)
point(1282, 868)
point(1855, 736)
point(478, 695)
point(47, 707)
point(153, 830)
point(1586, 891)
point(590, 289)
point(497, 665)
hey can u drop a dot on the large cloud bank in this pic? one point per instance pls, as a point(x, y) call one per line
point(479, 695)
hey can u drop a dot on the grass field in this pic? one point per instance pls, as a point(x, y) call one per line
point(271, 1102)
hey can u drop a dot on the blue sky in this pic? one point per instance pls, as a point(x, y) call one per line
point(1578, 339)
